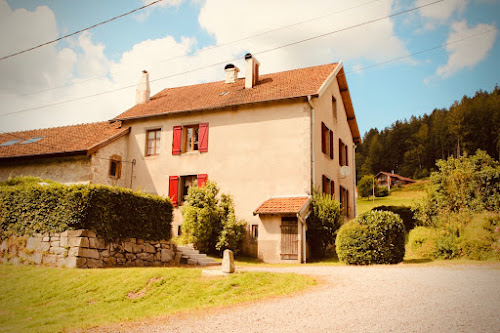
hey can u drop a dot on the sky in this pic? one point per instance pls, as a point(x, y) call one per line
point(400, 60)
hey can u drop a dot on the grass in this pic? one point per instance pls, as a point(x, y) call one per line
point(398, 197)
point(53, 299)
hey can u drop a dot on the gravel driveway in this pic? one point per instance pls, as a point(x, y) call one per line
point(401, 298)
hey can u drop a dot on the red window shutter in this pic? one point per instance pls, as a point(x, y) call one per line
point(332, 187)
point(176, 141)
point(323, 137)
point(331, 145)
point(202, 180)
point(173, 188)
point(325, 184)
point(345, 156)
point(340, 152)
point(203, 137)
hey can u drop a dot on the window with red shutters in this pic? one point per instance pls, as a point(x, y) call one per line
point(331, 145)
point(173, 189)
point(323, 137)
point(203, 137)
point(202, 180)
point(176, 140)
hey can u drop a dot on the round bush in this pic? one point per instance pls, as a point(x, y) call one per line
point(375, 237)
point(404, 212)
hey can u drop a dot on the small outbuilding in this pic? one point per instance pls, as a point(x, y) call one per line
point(389, 180)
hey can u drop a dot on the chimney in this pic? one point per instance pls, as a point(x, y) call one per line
point(231, 73)
point(252, 71)
point(143, 92)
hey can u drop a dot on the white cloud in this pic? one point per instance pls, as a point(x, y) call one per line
point(441, 11)
point(467, 53)
point(144, 14)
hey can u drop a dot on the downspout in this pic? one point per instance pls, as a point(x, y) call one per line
point(303, 221)
point(313, 162)
point(354, 179)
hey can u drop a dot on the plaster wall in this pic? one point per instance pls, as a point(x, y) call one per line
point(64, 170)
point(323, 112)
point(254, 152)
point(100, 164)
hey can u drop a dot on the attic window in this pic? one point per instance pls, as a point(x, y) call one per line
point(38, 138)
point(224, 93)
point(10, 143)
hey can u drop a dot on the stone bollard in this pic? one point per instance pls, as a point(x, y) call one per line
point(228, 262)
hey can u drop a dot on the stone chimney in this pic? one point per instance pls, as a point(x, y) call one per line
point(143, 92)
point(231, 73)
point(252, 71)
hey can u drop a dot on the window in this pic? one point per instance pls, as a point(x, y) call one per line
point(334, 108)
point(255, 231)
point(179, 186)
point(343, 149)
point(115, 166)
point(326, 140)
point(190, 138)
point(153, 142)
point(179, 230)
point(328, 186)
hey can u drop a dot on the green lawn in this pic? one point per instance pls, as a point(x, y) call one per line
point(45, 299)
point(396, 198)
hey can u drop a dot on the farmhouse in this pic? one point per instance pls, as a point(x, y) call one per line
point(389, 180)
point(268, 140)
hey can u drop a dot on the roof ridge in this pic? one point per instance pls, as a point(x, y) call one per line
point(63, 126)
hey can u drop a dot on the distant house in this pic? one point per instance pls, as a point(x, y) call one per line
point(389, 180)
point(268, 140)
point(87, 153)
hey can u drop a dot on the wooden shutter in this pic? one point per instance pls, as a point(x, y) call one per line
point(203, 137)
point(332, 187)
point(202, 180)
point(323, 137)
point(173, 188)
point(346, 161)
point(325, 184)
point(331, 145)
point(340, 151)
point(176, 141)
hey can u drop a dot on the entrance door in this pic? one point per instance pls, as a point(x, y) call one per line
point(289, 238)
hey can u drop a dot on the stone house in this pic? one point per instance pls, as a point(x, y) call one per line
point(267, 140)
point(87, 153)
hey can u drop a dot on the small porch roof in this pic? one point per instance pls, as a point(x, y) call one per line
point(283, 205)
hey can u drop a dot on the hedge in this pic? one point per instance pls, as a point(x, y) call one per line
point(375, 237)
point(404, 212)
point(28, 207)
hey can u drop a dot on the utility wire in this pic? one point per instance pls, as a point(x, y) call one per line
point(226, 61)
point(212, 47)
point(79, 31)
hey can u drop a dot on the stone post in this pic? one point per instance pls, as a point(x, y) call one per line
point(228, 262)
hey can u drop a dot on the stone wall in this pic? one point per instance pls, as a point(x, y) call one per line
point(84, 249)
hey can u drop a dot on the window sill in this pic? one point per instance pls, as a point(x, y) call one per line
point(187, 153)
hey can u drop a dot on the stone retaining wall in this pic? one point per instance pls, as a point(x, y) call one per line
point(84, 249)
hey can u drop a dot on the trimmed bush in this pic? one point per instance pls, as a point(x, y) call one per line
point(29, 207)
point(404, 212)
point(375, 237)
point(381, 191)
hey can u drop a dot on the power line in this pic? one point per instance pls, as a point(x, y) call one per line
point(79, 31)
point(212, 47)
point(225, 61)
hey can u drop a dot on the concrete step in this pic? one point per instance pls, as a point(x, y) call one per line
point(205, 260)
point(197, 256)
point(204, 264)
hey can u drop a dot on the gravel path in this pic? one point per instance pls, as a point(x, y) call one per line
point(401, 298)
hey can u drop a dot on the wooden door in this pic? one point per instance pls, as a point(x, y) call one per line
point(289, 238)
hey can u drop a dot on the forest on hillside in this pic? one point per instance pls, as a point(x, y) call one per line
point(412, 147)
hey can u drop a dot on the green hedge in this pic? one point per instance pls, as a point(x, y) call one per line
point(27, 207)
point(404, 212)
point(375, 237)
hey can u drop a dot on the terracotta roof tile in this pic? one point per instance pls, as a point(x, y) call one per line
point(276, 86)
point(288, 205)
point(59, 140)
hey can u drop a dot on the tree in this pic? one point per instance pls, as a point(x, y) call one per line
point(323, 222)
point(365, 186)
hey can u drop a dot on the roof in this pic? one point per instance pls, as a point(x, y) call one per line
point(83, 139)
point(283, 205)
point(393, 175)
point(290, 84)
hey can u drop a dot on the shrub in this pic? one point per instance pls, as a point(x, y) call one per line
point(381, 191)
point(404, 212)
point(26, 207)
point(323, 222)
point(365, 186)
point(422, 242)
point(209, 222)
point(375, 237)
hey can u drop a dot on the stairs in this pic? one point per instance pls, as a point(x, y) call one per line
point(190, 256)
